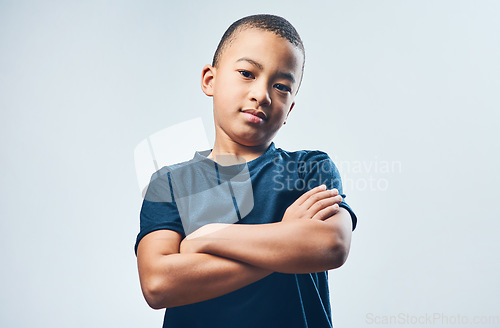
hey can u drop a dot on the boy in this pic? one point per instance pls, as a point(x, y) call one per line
point(269, 269)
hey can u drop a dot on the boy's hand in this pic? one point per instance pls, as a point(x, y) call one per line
point(317, 204)
point(194, 241)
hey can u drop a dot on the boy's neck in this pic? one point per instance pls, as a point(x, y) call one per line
point(231, 152)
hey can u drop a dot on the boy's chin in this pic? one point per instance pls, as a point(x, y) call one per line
point(252, 141)
point(249, 136)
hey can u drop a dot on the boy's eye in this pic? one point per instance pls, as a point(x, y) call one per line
point(246, 74)
point(282, 87)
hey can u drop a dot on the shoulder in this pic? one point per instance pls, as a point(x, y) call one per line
point(160, 184)
point(305, 155)
point(308, 162)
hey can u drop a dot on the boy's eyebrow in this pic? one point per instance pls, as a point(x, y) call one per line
point(251, 61)
point(288, 76)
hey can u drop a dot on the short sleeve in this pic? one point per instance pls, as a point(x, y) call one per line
point(159, 210)
point(318, 169)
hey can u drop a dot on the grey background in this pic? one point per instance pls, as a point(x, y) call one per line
point(411, 84)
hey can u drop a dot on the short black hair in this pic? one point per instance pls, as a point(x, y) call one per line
point(266, 22)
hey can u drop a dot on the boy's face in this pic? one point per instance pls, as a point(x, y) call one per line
point(253, 86)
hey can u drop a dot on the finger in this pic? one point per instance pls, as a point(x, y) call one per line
point(338, 199)
point(309, 193)
point(320, 205)
point(326, 213)
point(319, 196)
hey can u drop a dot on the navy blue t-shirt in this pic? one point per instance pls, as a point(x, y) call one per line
point(186, 196)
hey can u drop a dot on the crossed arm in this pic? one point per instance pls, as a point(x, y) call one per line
point(314, 235)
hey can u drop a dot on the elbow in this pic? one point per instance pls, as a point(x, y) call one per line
point(154, 301)
point(337, 256)
point(337, 251)
point(154, 296)
point(158, 293)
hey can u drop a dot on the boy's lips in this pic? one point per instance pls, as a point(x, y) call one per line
point(255, 112)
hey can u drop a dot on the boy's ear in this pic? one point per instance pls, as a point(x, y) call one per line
point(207, 77)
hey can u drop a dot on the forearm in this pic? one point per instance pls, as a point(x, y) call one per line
point(181, 279)
point(300, 246)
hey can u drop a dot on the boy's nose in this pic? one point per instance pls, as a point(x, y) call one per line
point(260, 93)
